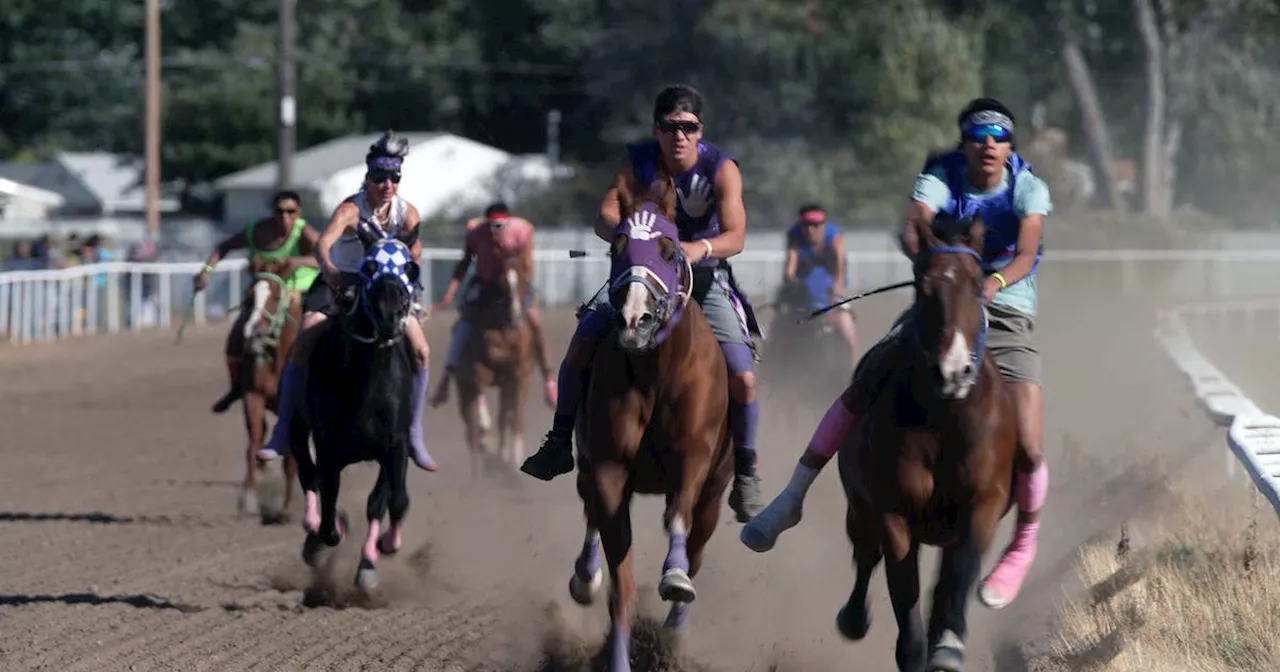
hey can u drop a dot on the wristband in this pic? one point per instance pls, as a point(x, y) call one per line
point(999, 277)
point(207, 268)
point(708, 244)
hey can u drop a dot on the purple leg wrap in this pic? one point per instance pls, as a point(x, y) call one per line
point(744, 419)
point(589, 560)
point(677, 555)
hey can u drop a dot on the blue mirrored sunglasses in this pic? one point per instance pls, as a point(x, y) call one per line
point(993, 131)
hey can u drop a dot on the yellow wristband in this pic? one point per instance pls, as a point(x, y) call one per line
point(999, 277)
point(207, 268)
point(708, 244)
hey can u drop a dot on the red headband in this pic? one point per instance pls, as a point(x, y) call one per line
point(814, 216)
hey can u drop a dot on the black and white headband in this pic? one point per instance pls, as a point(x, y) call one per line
point(986, 118)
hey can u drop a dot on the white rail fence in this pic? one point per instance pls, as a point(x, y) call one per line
point(1253, 436)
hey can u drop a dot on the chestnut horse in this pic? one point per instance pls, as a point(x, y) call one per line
point(654, 418)
point(499, 353)
point(930, 460)
point(259, 344)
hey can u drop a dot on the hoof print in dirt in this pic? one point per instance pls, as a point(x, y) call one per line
point(653, 649)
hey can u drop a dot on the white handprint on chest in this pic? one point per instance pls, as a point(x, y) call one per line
point(697, 199)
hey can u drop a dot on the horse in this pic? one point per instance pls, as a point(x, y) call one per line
point(931, 457)
point(499, 353)
point(358, 405)
point(261, 339)
point(654, 419)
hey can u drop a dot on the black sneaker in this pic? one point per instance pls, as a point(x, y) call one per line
point(555, 457)
point(745, 497)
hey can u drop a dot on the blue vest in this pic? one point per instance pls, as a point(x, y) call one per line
point(644, 158)
point(997, 211)
point(816, 268)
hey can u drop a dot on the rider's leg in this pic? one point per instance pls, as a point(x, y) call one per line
point(291, 381)
point(849, 332)
point(1011, 345)
point(540, 348)
point(786, 510)
point(421, 381)
point(231, 354)
point(744, 420)
point(457, 338)
point(555, 456)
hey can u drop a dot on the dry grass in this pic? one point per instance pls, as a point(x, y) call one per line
point(1196, 590)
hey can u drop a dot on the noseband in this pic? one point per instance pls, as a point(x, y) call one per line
point(980, 343)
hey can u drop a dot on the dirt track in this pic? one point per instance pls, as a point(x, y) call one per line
point(121, 549)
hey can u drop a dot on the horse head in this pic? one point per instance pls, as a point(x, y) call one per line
point(952, 321)
point(389, 276)
point(649, 276)
point(267, 298)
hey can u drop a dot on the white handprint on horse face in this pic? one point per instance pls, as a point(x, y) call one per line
point(697, 200)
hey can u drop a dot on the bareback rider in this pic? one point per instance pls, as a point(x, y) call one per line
point(378, 208)
point(712, 222)
point(283, 235)
point(816, 260)
point(985, 177)
point(494, 243)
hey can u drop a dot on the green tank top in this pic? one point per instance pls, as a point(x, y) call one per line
point(302, 277)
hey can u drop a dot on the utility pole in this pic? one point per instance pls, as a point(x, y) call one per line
point(287, 108)
point(553, 138)
point(153, 117)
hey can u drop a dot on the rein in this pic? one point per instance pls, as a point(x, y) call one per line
point(980, 343)
point(270, 337)
point(671, 304)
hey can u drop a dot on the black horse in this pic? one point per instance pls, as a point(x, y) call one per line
point(358, 403)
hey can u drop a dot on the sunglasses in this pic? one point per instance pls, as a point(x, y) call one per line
point(979, 134)
point(380, 176)
point(687, 127)
point(287, 211)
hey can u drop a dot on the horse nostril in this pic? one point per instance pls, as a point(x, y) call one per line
point(645, 320)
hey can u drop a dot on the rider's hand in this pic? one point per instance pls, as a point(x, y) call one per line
point(694, 251)
point(989, 289)
point(332, 277)
point(200, 281)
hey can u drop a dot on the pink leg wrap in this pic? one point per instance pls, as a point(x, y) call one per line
point(835, 426)
point(311, 519)
point(371, 541)
point(1031, 489)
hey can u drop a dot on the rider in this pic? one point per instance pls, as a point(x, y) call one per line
point(283, 235)
point(983, 176)
point(712, 223)
point(816, 259)
point(492, 242)
point(379, 208)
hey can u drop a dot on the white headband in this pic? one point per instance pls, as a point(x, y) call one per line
point(986, 118)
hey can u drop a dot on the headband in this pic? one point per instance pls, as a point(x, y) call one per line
point(986, 118)
point(391, 163)
point(814, 216)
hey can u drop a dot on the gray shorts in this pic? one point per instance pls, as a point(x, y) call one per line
point(711, 291)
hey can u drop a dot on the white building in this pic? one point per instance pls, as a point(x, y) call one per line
point(444, 175)
point(23, 202)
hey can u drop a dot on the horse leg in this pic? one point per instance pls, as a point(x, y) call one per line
point(612, 503)
point(398, 504)
point(958, 574)
point(332, 528)
point(375, 509)
point(513, 398)
point(467, 394)
point(706, 516)
point(305, 468)
point(902, 572)
point(685, 477)
point(854, 619)
point(255, 409)
point(587, 575)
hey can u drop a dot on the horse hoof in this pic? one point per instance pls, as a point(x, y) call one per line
point(853, 623)
point(676, 586)
point(367, 576)
point(385, 547)
point(947, 654)
point(247, 503)
point(583, 591)
point(311, 549)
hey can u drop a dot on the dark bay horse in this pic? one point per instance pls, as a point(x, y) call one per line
point(930, 460)
point(358, 405)
point(498, 352)
point(257, 347)
point(654, 419)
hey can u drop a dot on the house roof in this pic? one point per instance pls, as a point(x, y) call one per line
point(18, 190)
point(317, 164)
point(105, 181)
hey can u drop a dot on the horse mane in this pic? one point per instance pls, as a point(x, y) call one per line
point(631, 193)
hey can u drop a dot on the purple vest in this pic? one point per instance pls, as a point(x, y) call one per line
point(696, 217)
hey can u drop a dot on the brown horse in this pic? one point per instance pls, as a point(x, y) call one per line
point(268, 324)
point(930, 460)
point(654, 418)
point(498, 353)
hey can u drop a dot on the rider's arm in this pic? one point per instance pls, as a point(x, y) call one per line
point(459, 272)
point(344, 216)
point(235, 242)
point(929, 193)
point(610, 210)
point(837, 244)
point(733, 214)
point(793, 260)
point(411, 221)
point(1028, 245)
point(307, 248)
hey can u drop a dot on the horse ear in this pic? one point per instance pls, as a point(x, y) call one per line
point(977, 233)
point(368, 268)
point(412, 270)
point(366, 236)
point(668, 203)
point(626, 195)
point(619, 244)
